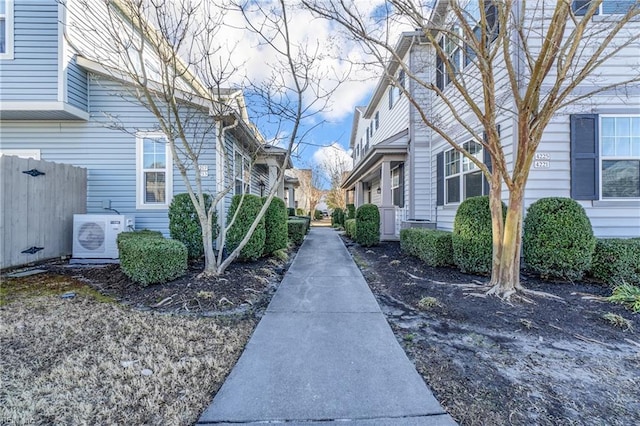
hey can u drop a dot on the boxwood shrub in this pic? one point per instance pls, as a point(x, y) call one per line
point(337, 218)
point(351, 211)
point(275, 225)
point(307, 220)
point(249, 208)
point(147, 259)
point(429, 245)
point(142, 233)
point(557, 239)
point(296, 229)
point(350, 228)
point(298, 212)
point(616, 260)
point(368, 225)
point(184, 224)
point(472, 236)
point(317, 215)
point(291, 211)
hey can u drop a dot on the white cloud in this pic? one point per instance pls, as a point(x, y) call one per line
point(333, 158)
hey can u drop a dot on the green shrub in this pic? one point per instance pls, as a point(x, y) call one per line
point(275, 225)
point(616, 260)
point(337, 218)
point(628, 295)
point(291, 211)
point(317, 215)
point(350, 228)
point(557, 239)
point(307, 220)
point(184, 224)
point(432, 247)
point(472, 236)
point(151, 260)
point(296, 229)
point(368, 225)
point(298, 212)
point(250, 206)
point(143, 233)
point(351, 211)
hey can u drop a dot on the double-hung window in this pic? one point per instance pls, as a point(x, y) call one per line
point(377, 119)
point(241, 173)
point(620, 156)
point(391, 97)
point(607, 7)
point(154, 171)
point(462, 178)
point(397, 185)
point(6, 29)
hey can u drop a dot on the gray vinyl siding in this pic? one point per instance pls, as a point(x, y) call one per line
point(77, 85)
point(108, 155)
point(33, 73)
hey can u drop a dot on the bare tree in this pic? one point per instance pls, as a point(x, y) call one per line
point(527, 60)
point(311, 183)
point(165, 56)
point(334, 162)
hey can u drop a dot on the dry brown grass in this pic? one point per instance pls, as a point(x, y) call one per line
point(80, 361)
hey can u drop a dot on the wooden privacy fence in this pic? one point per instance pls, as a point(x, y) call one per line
point(38, 200)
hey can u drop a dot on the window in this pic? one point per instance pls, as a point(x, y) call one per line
point(401, 82)
point(241, 173)
point(607, 7)
point(6, 29)
point(462, 178)
point(440, 71)
point(377, 119)
point(368, 135)
point(154, 171)
point(450, 45)
point(620, 156)
point(391, 97)
point(397, 185)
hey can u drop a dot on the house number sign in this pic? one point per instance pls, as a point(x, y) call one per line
point(542, 160)
point(204, 170)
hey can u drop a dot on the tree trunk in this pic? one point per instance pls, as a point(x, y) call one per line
point(497, 225)
point(210, 263)
point(508, 280)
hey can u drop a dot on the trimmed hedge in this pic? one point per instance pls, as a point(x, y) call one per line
point(351, 211)
point(298, 212)
point(557, 239)
point(291, 211)
point(616, 260)
point(368, 225)
point(296, 229)
point(184, 224)
point(148, 259)
point(249, 210)
point(472, 236)
point(337, 217)
point(350, 228)
point(317, 215)
point(307, 220)
point(275, 225)
point(142, 233)
point(429, 245)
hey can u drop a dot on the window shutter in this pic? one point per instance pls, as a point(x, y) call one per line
point(440, 67)
point(440, 179)
point(584, 157)
point(580, 7)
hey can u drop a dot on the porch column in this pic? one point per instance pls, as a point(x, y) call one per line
point(359, 198)
point(273, 177)
point(292, 197)
point(387, 209)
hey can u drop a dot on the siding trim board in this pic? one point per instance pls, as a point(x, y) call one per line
point(29, 110)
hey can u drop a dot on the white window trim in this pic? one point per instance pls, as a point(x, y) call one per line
point(8, 18)
point(140, 204)
point(461, 174)
point(246, 180)
point(602, 158)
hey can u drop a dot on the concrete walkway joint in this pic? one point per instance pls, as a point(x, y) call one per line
point(323, 353)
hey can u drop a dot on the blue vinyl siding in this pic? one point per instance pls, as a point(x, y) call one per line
point(33, 73)
point(77, 86)
point(109, 155)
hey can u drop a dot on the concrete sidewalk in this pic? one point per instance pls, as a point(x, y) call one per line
point(323, 353)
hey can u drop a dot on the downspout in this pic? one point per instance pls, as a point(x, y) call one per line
point(411, 145)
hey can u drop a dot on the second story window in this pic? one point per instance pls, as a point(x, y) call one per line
point(6, 29)
point(391, 100)
point(607, 7)
point(377, 119)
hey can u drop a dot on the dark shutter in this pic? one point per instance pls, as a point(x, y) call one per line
point(584, 157)
point(580, 7)
point(493, 24)
point(440, 179)
point(440, 67)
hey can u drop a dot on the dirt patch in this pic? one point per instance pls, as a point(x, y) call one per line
point(488, 362)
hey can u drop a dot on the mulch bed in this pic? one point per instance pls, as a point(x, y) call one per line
point(491, 362)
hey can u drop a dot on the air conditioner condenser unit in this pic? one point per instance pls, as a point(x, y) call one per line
point(94, 235)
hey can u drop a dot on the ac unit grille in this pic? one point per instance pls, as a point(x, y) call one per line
point(91, 236)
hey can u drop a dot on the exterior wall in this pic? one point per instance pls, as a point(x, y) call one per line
point(108, 155)
point(77, 84)
point(33, 73)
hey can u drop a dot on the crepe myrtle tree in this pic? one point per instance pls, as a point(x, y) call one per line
point(165, 57)
point(527, 60)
